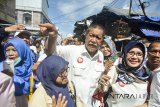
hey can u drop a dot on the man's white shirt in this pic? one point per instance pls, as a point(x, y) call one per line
point(84, 71)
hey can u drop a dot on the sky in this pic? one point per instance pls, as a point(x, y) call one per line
point(64, 13)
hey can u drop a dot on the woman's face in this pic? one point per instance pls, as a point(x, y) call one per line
point(62, 77)
point(11, 53)
point(134, 57)
point(105, 50)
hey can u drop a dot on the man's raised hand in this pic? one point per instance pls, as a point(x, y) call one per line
point(48, 29)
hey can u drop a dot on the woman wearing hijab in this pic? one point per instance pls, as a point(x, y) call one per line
point(18, 55)
point(52, 73)
point(108, 49)
point(127, 83)
point(110, 53)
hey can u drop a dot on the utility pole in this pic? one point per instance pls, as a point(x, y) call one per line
point(142, 7)
point(130, 7)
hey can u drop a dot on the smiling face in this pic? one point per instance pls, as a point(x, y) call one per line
point(105, 50)
point(93, 40)
point(11, 53)
point(134, 57)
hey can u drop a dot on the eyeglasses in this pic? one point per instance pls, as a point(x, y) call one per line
point(138, 54)
point(64, 72)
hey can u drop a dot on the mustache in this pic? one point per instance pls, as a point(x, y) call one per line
point(94, 44)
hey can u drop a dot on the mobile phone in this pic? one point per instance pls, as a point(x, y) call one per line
point(9, 65)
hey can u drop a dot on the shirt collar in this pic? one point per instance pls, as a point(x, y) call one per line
point(85, 53)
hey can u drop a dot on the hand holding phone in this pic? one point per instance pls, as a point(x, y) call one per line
point(8, 66)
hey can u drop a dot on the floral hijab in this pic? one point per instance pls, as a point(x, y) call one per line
point(112, 46)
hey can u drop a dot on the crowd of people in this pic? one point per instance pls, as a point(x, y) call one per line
point(80, 72)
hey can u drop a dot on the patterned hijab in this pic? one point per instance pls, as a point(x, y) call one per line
point(48, 71)
point(140, 71)
point(112, 46)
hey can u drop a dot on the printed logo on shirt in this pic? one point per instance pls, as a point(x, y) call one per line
point(120, 83)
point(80, 60)
point(99, 61)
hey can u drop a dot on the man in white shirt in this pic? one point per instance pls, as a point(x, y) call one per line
point(154, 100)
point(85, 61)
point(153, 63)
